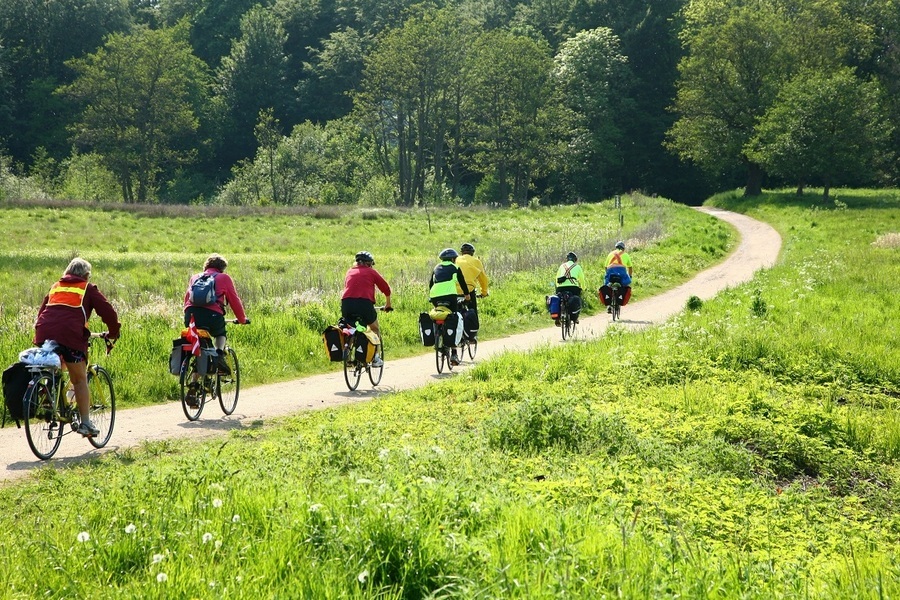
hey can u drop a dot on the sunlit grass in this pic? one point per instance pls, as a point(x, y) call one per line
point(746, 449)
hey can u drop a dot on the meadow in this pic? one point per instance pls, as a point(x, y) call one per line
point(289, 268)
point(745, 449)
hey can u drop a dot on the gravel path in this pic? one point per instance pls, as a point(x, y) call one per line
point(758, 248)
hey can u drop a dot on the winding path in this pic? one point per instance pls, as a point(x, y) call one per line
point(758, 248)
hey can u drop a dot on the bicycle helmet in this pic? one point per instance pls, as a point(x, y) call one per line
point(620, 245)
point(572, 256)
point(448, 254)
point(365, 257)
point(467, 248)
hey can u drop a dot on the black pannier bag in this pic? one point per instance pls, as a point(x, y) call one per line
point(426, 329)
point(452, 331)
point(574, 306)
point(334, 343)
point(470, 321)
point(16, 378)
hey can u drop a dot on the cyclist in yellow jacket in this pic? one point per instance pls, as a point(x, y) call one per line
point(473, 271)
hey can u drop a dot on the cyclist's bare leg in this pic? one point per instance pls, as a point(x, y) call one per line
point(78, 378)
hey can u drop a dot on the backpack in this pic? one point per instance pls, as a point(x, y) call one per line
point(203, 290)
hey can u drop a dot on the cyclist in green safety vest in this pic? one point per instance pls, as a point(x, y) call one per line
point(442, 287)
point(570, 276)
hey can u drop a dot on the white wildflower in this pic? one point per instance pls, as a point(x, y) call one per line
point(130, 528)
point(207, 537)
point(161, 578)
point(315, 507)
point(362, 577)
point(217, 503)
point(84, 536)
point(236, 519)
point(158, 558)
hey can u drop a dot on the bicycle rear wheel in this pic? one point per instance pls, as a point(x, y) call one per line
point(472, 346)
point(375, 373)
point(352, 370)
point(103, 405)
point(42, 430)
point(565, 324)
point(193, 392)
point(228, 387)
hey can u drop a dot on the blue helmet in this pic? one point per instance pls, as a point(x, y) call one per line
point(620, 245)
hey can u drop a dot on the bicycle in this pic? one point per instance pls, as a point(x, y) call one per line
point(566, 322)
point(47, 409)
point(355, 342)
point(467, 344)
point(615, 284)
point(201, 379)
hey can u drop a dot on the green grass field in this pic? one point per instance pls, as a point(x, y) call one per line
point(289, 269)
point(746, 449)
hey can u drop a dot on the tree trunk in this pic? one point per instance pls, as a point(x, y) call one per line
point(754, 180)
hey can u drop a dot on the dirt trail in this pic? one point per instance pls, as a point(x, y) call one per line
point(758, 248)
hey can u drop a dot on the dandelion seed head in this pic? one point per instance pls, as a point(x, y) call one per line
point(161, 578)
point(218, 544)
point(362, 577)
point(207, 537)
point(217, 503)
point(158, 558)
point(236, 519)
point(315, 507)
point(84, 536)
point(130, 528)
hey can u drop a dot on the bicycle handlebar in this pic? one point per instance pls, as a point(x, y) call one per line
point(236, 322)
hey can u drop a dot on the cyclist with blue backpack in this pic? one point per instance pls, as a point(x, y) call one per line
point(208, 296)
point(569, 282)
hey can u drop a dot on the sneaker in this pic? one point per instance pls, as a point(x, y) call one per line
point(377, 362)
point(87, 429)
point(558, 324)
point(222, 365)
point(609, 310)
point(191, 397)
point(454, 359)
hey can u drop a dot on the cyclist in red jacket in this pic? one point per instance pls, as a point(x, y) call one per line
point(358, 298)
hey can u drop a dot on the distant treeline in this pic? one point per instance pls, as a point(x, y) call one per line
point(395, 102)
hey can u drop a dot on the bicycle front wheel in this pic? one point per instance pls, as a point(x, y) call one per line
point(103, 405)
point(229, 386)
point(42, 429)
point(375, 373)
point(193, 391)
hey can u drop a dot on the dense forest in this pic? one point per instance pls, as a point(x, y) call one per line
point(399, 102)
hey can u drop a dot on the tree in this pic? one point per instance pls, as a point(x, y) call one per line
point(823, 128)
point(509, 77)
point(253, 77)
point(140, 96)
point(410, 95)
point(738, 58)
point(335, 70)
point(39, 36)
point(588, 74)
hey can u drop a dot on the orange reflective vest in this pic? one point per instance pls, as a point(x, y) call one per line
point(615, 260)
point(67, 294)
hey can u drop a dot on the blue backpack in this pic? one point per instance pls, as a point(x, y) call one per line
point(203, 290)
